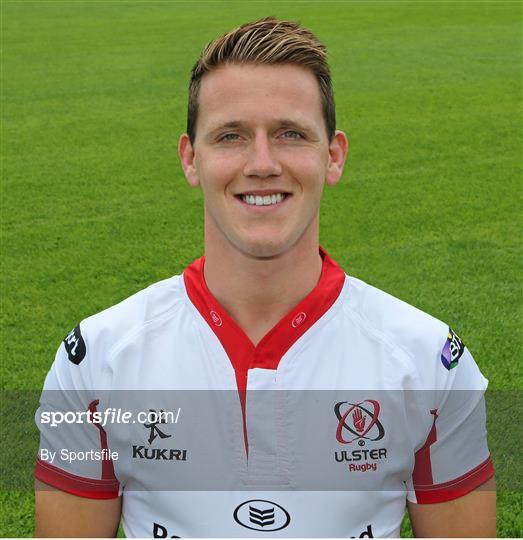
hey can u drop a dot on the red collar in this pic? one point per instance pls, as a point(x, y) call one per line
point(267, 354)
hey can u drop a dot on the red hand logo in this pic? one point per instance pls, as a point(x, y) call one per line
point(359, 420)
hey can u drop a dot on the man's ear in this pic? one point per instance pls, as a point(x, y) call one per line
point(186, 153)
point(338, 148)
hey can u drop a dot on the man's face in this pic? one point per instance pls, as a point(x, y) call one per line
point(262, 156)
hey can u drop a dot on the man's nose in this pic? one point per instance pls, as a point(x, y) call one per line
point(261, 159)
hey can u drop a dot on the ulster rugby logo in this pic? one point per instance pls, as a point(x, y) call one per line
point(261, 515)
point(358, 421)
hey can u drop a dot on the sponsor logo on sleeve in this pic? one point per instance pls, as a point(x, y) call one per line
point(75, 345)
point(452, 350)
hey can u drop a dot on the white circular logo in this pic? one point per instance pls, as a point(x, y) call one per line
point(298, 320)
point(262, 515)
point(216, 319)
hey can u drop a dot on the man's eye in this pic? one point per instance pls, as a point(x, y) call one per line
point(229, 137)
point(291, 134)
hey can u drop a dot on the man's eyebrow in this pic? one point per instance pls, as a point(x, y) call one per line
point(288, 123)
point(233, 124)
point(280, 123)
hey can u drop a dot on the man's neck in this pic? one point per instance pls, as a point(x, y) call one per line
point(257, 293)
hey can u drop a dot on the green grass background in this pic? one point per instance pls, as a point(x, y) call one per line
point(95, 207)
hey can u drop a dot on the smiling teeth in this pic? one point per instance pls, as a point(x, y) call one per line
point(266, 200)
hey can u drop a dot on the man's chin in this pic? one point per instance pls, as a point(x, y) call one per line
point(265, 249)
point(263, 252)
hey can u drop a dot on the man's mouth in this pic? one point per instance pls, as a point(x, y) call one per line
point(263, 200)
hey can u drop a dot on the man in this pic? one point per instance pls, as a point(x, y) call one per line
point(396, 416)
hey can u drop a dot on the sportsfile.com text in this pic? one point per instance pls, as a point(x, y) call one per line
point(110, 415)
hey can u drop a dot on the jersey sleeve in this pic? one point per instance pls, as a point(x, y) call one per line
point(73, 456)
point(454, 458)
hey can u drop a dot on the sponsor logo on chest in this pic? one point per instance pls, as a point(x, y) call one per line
point(261, 515)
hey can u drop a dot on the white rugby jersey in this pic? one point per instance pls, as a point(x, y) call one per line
point(353, 403)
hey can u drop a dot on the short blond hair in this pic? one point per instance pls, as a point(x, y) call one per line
point(268, 41)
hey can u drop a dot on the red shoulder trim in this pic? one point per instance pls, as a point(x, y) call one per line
point(453, 489)
point(90, 488)
point(107, 463)
point(422, 473)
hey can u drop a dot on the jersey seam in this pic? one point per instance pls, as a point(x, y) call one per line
point(365, 324)
point(382, 338)
point(134, 332)
point(294, 351)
